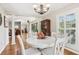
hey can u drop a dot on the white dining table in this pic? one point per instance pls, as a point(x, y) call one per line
point(41, 43)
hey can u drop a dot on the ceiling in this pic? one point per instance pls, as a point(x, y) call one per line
point(26, 9)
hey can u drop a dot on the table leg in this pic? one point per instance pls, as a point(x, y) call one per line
point(40, 50)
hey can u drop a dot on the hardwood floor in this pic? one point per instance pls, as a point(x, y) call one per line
point(11, 50)
point(66, 52)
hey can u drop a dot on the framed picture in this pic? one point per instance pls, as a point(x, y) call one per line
point(5, 22)
point(0, 19)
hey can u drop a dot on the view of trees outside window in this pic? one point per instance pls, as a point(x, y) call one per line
point(67, 25)
point(61, 24)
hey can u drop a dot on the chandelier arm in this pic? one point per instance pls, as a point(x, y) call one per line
point(41, 9)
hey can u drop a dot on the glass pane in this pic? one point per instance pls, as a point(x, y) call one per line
point(70, 21)
point(34, 27)
point(61, 22)
point(71, 35)
point(61, 31)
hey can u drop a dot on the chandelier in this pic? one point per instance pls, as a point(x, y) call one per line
point(41, 9)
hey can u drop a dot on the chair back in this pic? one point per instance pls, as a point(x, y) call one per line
point(68, 38)
point(21, 44)
point(60, 44)
point(59, 47)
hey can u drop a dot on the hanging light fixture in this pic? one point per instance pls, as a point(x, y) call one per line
point(41, 9)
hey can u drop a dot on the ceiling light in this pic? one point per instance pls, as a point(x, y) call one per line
point(41, 9)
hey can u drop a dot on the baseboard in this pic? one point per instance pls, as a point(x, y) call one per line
point(76, 52)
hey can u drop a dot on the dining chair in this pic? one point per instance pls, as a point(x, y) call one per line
point(29, 51)
point(64, 42)
point(68, 39)
point(60, 44)
point(57, 49)
point(50, 50)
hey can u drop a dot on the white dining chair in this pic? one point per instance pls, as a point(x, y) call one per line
point(57, 49)
point(68, 39)
point(50, 50)
point(60, 44)
point(29, 51)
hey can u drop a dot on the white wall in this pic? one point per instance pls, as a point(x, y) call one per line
point(3, 33)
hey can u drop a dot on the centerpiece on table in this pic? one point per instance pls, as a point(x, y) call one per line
point(40, 35)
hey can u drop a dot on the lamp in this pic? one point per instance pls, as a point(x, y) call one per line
point(41, 9)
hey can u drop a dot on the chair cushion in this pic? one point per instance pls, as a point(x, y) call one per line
point(48, 51)
point(32, 51)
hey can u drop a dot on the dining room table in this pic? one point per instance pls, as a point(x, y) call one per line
point(48, 41)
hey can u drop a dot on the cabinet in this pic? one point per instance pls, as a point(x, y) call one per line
point(45, 27)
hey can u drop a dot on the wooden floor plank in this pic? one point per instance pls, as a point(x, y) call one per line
point(11, 50)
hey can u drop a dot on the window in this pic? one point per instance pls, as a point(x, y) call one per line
point(70, 21)
point(67, 25)
point(70, 27)
point(61, 24)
